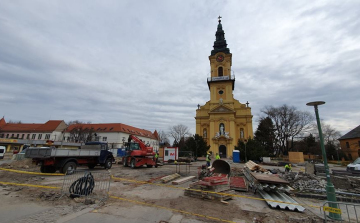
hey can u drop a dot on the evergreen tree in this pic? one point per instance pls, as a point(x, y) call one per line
point(254, 150)
point(265, 134)
point(197, 145)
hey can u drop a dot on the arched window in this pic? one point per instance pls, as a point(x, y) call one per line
point(220, 71)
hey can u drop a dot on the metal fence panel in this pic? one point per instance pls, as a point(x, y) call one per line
point(348, 211)
point(92, 184)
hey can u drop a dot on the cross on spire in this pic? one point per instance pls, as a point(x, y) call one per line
point(219, 18)
point(247, 104)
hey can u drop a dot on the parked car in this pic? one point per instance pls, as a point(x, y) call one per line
point(354, 166)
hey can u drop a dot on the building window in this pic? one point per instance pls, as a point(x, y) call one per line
point(17, 136)
point(166, 152)
point(220, 71)
point(97, 138)
point(347, 145)
point(22, 136)
point(47, 136)
point(7, 136)
point(12, 135)
point(1, 135)
point(28, 136)
point(40, 135)
point(104, 139)
point(33, 136)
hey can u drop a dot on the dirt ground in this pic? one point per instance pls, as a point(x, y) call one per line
point(237, 209)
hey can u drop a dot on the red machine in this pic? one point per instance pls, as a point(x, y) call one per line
point(138, 154)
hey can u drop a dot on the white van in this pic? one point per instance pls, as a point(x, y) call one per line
point(2, 152)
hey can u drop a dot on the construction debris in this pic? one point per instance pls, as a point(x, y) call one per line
point(183, 180)
point(238, 184)
point(254, 167)
point(169, 178)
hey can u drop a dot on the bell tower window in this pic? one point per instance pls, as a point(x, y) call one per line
point(220, 72)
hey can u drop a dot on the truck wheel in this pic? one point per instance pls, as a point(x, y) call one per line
point(133, 164)
point(125, 164)
point(69, 168)
point(91, 166)
point(108, 163)
point(42, 169)
point(148, 166)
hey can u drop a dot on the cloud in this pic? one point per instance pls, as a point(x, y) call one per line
point(145, 63)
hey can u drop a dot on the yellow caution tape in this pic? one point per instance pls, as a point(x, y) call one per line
point(172, 209)
point(29, 185)
point(210, 192)
point(332, 210)
point(34, 173)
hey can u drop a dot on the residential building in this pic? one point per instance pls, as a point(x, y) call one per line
point(115, 134)
point(15, 135)
point(350, 143)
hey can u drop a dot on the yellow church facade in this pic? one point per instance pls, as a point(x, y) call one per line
point(223, 120)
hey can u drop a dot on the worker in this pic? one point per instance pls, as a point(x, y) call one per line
point(156, 157)
point(287, 168)
point(208, 159)
point(217, 156)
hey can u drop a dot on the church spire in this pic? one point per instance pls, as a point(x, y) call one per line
point(220, 42)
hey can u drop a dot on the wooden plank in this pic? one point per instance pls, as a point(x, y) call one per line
point(170, 178)
point(183, 180)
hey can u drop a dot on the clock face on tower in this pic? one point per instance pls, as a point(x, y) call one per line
point(220, 58)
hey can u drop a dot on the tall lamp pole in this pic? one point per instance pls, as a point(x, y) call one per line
point(330, 190)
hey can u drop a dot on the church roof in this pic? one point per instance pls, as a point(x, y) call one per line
point(220, 42)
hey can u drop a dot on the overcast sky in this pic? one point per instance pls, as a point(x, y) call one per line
point(145, 63)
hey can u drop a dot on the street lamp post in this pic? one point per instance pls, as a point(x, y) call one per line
point(245, 141)
point(330, 190)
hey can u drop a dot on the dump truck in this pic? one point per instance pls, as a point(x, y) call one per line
point(66, 161)
point(138, 154)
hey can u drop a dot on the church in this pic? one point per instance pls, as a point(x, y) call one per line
point(223, 120)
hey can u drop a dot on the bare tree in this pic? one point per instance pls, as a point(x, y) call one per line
point(288, 122)
point(79, 133)
point(178, 132)
point(163, 137)
point(14, 122)
point(330, 134)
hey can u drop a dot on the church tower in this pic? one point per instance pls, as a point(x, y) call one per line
point(223, 120)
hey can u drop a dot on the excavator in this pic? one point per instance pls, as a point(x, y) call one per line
point(138, 154)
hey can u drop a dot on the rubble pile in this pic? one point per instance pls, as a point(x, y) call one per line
point(237, 172)
point(302, 181)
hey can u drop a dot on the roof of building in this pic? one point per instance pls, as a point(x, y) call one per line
point(2, 122)
point(113, 127)
point(49, 126)
point(355, 133)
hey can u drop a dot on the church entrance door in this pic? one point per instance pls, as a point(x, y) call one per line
point(222, 151)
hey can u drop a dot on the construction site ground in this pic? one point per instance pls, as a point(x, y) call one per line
point(136, 195)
